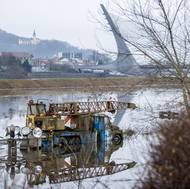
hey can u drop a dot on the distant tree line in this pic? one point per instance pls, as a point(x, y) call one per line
point(26, 65)
point(12, 62)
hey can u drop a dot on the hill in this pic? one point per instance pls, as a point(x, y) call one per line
point(46, 48)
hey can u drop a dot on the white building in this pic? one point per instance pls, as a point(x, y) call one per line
point(32, 41)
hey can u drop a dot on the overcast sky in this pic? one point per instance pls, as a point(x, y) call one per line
point(66, 20)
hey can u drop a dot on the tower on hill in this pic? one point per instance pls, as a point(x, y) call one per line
point(31, 41)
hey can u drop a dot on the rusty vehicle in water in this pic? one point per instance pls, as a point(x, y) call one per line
point(70, 123)
point(54, 132)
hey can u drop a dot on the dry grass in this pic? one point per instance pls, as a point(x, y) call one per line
point(123, 84)
point(65, 82)
point(8, 87)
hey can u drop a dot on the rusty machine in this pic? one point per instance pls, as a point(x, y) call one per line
point(57, 124)
point(80, 131)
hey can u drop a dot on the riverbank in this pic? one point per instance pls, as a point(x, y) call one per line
point(22, 86)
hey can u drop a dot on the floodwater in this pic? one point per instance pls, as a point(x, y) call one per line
point(87, 165)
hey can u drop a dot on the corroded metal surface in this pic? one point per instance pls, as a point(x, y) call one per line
point(73, 174)
point(89, 107)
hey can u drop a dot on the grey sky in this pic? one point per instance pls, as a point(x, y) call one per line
point(67, 20)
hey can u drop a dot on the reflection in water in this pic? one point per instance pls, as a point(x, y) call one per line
point(33, 164)
point(11, 112)
point(69, 163)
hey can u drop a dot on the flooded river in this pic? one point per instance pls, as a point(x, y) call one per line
point(86, 165)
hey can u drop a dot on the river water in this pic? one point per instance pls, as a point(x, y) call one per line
point(143, 121)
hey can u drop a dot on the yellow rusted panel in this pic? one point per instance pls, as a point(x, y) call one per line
point(30, 121)
point(60, 124)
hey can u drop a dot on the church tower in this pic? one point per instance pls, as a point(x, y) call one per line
point(34, 35)
point(31, 41)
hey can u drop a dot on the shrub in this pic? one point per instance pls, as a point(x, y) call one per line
point(170, 158)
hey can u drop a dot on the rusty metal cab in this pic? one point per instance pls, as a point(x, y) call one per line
point(38, 116)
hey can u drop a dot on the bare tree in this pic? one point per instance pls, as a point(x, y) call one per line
point(161, 34)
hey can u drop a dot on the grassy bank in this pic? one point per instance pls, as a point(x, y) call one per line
point(8, 87)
